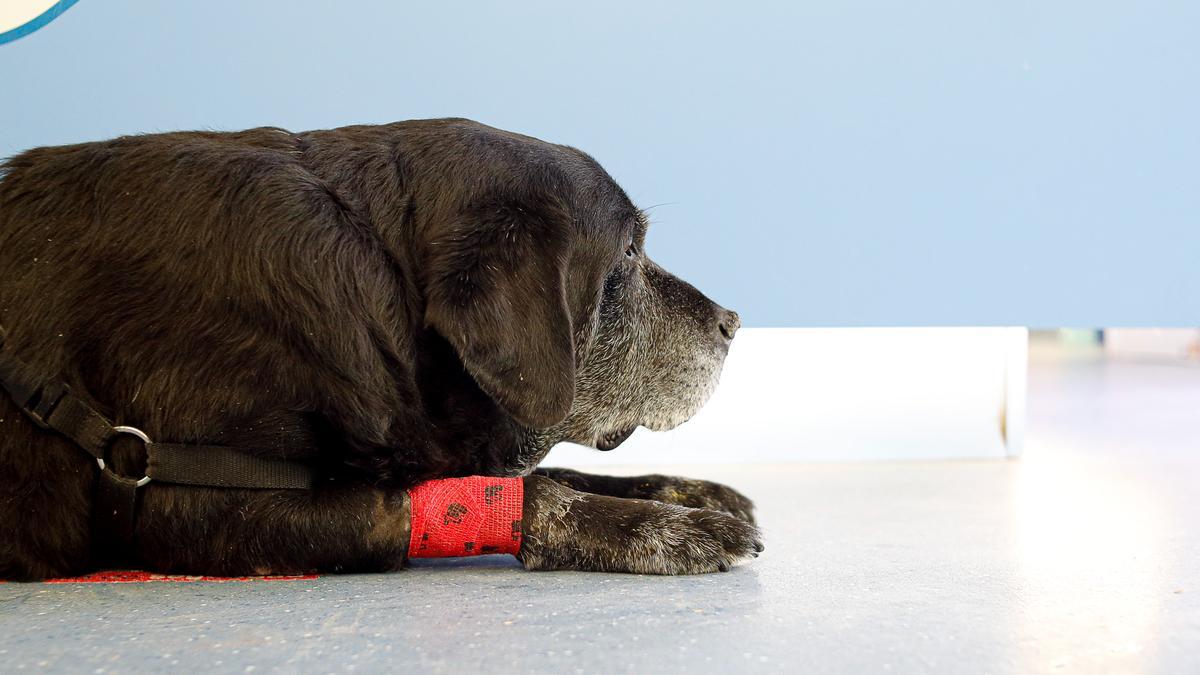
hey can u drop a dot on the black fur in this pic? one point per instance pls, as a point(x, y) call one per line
point(393, 303)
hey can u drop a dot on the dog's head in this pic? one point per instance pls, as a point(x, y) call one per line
point(535, 272)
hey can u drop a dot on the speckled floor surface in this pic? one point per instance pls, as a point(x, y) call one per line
point(1082, 557)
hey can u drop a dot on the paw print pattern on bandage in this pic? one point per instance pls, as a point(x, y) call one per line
point(465, 516)
point(454, 514)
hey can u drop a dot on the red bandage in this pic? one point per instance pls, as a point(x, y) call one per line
point(466, 516)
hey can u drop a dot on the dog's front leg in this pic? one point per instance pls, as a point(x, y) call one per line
point(568, 529)
point(337, 527)
point(697, 494)
point(360, 528)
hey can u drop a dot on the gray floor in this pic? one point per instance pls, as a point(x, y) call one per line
point(1082, 557)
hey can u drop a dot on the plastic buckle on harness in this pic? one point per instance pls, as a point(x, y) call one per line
point(43, 402)
point(132, 431)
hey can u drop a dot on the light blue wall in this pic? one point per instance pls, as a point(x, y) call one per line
point(822, 163)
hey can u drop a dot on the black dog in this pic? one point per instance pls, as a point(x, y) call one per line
point(389, 304)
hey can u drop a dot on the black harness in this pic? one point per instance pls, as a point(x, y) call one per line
point(52, 406)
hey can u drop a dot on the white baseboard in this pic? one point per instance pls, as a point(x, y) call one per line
point(792, 394)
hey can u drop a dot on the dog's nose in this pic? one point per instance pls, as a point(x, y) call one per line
point(728, 322)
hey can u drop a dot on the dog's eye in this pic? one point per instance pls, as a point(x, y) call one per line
point(630, 251)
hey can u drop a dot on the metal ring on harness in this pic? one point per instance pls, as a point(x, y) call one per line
point(132, 431)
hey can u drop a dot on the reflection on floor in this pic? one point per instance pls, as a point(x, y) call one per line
point(1084, 556)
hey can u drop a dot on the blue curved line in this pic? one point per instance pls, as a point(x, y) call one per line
point(37, 21)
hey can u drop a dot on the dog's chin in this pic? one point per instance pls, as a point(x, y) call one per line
point(683, 408)
point(612, 439)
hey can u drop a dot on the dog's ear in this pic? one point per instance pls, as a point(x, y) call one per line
point(495, 288)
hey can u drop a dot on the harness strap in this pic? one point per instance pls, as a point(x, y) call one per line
point(224, 467)
point(52, 406)
point(114, 514)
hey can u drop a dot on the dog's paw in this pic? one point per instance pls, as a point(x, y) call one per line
point(565, 529)
point(703, 494)
point(684, 540)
